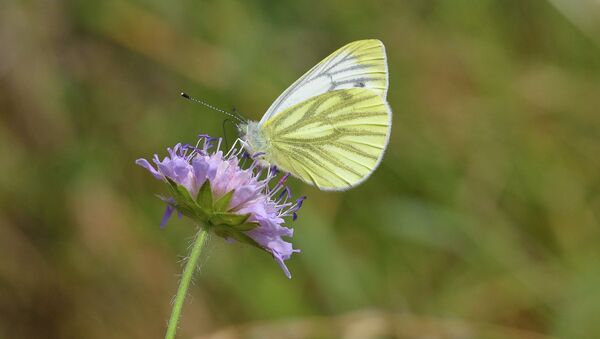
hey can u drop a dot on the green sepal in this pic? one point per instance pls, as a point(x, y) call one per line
point(185, 204)
point(229, 219)
point(223, 202)
point(212, 213)
point(205, 198)
point(230, 232)
point(247, 226)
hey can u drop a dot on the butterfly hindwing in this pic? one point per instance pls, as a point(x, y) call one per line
point(333, 141)
point(360, 64)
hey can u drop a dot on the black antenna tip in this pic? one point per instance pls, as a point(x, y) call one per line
point(183, 94)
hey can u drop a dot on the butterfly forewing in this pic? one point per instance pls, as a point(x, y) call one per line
point(360, 64)
point(333, 141)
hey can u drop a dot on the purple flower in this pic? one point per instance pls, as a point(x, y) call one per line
point(236, 203)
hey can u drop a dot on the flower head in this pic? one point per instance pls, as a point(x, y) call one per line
point(234, 202)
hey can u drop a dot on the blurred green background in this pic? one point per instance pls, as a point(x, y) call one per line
point(483, 220)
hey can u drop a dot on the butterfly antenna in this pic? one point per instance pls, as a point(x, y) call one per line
point(234, 115)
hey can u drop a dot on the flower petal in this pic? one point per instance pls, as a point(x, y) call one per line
point(279, 261)
point(166, 216)
point(242, 194)
point(145, 164)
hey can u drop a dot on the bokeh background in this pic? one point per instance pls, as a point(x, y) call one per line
point(483, 220)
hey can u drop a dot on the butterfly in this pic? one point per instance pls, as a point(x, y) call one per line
point(331, 127)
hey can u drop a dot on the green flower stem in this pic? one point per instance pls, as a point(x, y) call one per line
point(184, 284)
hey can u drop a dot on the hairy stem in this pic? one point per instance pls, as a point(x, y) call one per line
point(184, 284)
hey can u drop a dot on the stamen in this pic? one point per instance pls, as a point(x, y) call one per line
point(283, 179)
point(285, 190)
point(243, 162)
point(200, 138)
point(195, 150)
point(297, 207)
point(299, 202)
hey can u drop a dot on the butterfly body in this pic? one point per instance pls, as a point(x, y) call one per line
point(255, 141)
point(331, 127)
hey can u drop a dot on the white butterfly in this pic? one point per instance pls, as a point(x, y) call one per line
point(330, 128)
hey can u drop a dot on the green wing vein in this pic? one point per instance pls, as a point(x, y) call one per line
point(334, 140)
